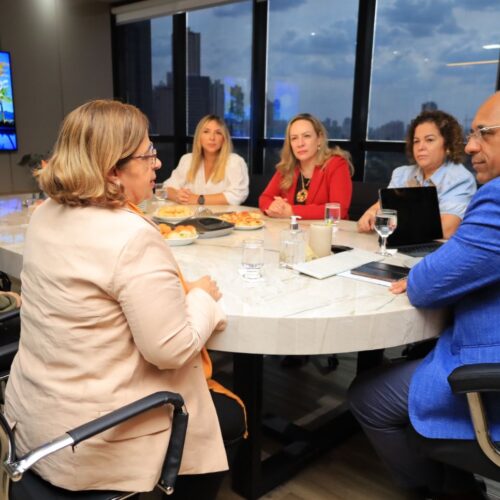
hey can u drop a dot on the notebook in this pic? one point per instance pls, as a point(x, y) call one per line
point(337, 263)
point(419, 219)
point(381, 271)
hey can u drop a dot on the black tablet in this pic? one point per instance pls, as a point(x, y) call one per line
point(381, 271)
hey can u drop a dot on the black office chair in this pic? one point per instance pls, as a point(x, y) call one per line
point(480, 456)
point(17, 482)
point(5, 283)
point(10, 328)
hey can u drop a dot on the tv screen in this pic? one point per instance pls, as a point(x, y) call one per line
point(8, 136)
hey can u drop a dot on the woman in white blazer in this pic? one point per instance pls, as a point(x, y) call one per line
point(106, 317)
point(212, 174)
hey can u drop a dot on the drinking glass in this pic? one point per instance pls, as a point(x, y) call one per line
point(332, 215)
point(320, 239)
point(386, 222)
point(252, 259)
point(160, 192)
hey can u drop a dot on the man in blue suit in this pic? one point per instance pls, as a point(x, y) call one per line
point(464, 275)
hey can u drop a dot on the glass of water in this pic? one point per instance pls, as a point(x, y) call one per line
point(332, 215)
point(252, 259)
point(160, 192)
point(386, 222)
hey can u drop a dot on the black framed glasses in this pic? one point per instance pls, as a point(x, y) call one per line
point(481, 133)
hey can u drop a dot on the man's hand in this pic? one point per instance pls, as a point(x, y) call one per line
point(399, 286)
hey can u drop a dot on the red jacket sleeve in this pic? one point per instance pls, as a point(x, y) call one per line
point(272, 190)
point(337, 187)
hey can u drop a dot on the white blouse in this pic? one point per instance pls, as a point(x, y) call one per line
point(234, 186)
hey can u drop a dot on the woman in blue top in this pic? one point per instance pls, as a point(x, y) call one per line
point(435, 148)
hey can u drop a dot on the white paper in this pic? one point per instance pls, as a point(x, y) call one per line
point(357, 277)
point(337, 263)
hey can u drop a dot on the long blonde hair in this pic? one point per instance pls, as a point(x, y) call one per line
point(288, 161)
point(226, 149)
point(93, 138)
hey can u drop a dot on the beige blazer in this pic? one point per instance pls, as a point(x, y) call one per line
point(105, 321)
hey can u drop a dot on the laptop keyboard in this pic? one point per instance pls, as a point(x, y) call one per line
point(421, 249)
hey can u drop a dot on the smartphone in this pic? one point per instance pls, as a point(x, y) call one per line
point(340, 248)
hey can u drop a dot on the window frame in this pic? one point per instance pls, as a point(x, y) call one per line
point(358, 145)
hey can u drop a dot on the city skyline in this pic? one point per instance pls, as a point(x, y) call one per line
point(311, 63)
point(205, 96)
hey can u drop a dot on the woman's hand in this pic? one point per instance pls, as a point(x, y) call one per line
point(279, 207)
point(184, 196)
point(399, 286)
point(367, 221)
point(205, 283)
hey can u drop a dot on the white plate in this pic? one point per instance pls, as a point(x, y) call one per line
point(179, 242)
point(249, 228)
point(163, 218)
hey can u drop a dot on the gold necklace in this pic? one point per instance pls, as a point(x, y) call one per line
point(301, 196)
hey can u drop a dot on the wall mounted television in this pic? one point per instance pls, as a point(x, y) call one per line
point(8, 135)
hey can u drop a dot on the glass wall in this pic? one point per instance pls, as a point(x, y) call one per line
point(311, 55)
point(431, 54)
point(145, 70)
point(423, 54)
point(219, 55)
point(162, 116)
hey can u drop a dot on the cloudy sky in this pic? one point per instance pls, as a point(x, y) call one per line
point(311, 51)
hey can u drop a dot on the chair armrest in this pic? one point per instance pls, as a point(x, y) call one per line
point(127, 412)
point(85, 431)
point(6, 316)
point(484, 377)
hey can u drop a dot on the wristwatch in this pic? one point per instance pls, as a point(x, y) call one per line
point(201, 200)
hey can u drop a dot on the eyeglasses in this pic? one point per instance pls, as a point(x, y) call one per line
point(481, 133)
point(150, 157)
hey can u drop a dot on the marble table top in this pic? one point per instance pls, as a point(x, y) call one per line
point(285, 312)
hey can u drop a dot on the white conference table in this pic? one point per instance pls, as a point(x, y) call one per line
point(285, 313)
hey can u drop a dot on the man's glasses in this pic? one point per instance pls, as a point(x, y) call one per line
point(149, 157)
point(481, 133)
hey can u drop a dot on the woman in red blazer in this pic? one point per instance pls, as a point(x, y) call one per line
point(309, 173)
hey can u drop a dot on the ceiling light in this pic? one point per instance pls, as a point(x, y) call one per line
point(492, 46)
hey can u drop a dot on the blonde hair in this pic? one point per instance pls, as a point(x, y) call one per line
point(226, 149)
point(93, 138)
point(288, 161)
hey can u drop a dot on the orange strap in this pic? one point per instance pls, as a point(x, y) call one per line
point(207, 362)
point(207, 369)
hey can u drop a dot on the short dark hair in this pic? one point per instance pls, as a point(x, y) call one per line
point(449, 128)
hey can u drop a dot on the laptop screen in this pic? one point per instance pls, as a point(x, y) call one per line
point(419, 220)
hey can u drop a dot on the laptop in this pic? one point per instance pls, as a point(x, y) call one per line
point(419, 219)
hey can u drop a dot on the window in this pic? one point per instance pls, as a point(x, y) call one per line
point(144, 66)
point(219, 54)
point(380, 164)
point(311, 54)
point(431, 55)
point(162, 115)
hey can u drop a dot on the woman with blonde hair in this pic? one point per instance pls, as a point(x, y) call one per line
point(108, 319)
point(309, 173)
point(212, 174)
